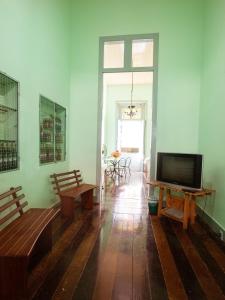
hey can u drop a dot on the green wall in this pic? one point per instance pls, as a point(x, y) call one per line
point(179, 25)
point(35, 50)
point(212, 121)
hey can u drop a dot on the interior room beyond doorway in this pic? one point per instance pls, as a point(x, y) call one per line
point(130, 135)
point(130, 142)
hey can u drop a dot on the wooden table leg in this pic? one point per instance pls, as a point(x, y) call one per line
point(168, 198)
point(192, 211)
point(160, 205)
point(186, 211)
point(87, 199)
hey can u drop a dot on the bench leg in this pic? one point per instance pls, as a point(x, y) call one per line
point(87, 199)
point(42, 247)
point(13, 278)
point(45, 240)
point(67, 207)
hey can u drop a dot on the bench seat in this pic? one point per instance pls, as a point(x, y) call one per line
point(25, 236)
point(77, 191)
point(69, 187)
point(20, 236)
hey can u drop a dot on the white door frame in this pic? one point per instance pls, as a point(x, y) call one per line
point(128, 68)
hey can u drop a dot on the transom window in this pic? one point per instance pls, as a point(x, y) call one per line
point(128, 53)
point(142, 53)
point(114, 54)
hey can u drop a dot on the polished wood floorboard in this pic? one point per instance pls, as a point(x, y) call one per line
point(118, 252)
point(173, 281)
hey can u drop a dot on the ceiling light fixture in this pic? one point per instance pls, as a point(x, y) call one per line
point(132, 110)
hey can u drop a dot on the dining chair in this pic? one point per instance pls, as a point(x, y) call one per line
point(109, 170)
point(120, 167)
point(127, 165)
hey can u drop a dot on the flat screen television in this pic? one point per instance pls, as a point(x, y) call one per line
point(180, 169)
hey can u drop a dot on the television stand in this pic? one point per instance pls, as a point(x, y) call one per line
point(180, 202)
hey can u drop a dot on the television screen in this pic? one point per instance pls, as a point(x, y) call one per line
point(180, 169)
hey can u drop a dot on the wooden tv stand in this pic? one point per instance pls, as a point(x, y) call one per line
point(180, 202)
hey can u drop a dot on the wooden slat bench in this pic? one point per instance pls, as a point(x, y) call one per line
point(27, 234)
point(69, 187)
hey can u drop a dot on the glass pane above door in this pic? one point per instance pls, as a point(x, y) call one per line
point(142, 53)
point(114, 54)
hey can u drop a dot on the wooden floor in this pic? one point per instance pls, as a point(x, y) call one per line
point(118, 252)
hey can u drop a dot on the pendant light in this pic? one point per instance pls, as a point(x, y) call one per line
point(132, 111)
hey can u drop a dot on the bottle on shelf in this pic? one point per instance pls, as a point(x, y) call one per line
point(58, 125)
point(1, 155)
point(51, 122)
point(42, 133)
point(58, 154)
point(42, 154)
point(51, 137)
point(4, 157)
point(58, 138)
point(47, 123)
point(14, 155)
point(8, 155)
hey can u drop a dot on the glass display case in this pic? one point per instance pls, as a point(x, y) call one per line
point(52, 131)
point(60, 130)
point(8, 123)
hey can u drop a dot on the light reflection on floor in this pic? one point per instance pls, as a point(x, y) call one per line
point(127, 194)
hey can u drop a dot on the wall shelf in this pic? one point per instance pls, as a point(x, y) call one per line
point(8, 123)
point(52, 131)
point(5, 109)
point(173, 212)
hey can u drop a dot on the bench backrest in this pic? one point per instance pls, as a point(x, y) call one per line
point(67, 180)
point(12, 204)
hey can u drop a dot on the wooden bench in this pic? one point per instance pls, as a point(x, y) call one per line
point(27, 235)
point(69, 187)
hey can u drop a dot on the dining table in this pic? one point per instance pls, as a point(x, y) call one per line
point(113, 166)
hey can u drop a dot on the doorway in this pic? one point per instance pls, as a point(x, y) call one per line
point(120, 58)
point(130, 142)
